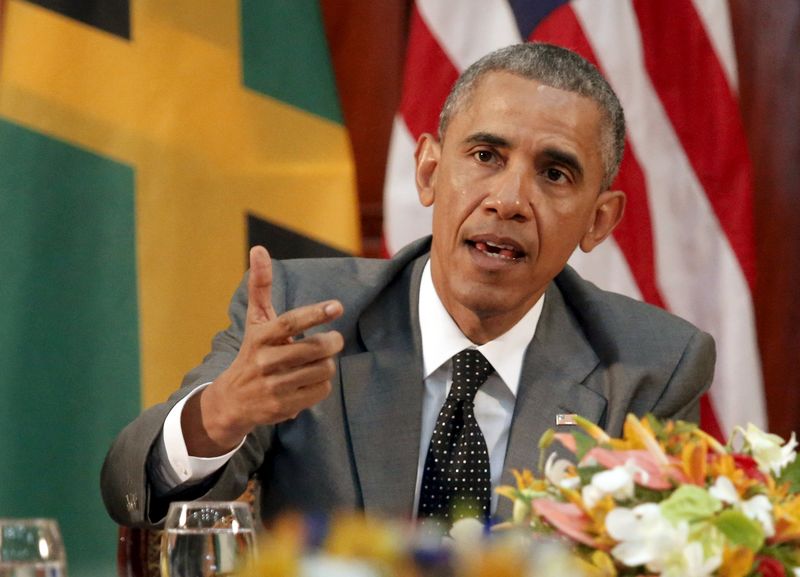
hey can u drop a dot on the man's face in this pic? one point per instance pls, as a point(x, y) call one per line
point(515, 187)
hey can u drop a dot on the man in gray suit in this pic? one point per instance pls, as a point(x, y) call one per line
point(333, 403)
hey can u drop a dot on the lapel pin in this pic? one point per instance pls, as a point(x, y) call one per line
point(565, 419)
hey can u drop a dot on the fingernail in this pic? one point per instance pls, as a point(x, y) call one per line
point(331, 308)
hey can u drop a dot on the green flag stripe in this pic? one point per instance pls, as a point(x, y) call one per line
point(285, 55)
point(69, 356)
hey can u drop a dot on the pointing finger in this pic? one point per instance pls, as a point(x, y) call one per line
point(259, 287)
point(296, 321)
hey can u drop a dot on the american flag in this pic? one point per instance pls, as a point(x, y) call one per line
point(686, 242)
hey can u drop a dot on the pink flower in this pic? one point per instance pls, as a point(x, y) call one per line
point(567, 518)
point(568, 441)
point(652, 474)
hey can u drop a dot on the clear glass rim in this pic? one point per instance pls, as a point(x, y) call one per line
point(28, 521)
point(45, 530)
point(209, 504)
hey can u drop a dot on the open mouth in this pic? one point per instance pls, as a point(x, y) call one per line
point(498, 250)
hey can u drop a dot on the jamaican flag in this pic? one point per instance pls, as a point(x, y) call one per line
point(143, 145)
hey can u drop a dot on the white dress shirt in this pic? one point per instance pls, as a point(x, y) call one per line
point(495, 400)
point(441, 339)
point(179, 467)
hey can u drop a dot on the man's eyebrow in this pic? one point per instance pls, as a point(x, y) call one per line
point(565, 158)
point(487, 138)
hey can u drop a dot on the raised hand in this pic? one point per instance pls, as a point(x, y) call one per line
point(273, 377)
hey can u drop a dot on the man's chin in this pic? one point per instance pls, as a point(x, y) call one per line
point(486, 303)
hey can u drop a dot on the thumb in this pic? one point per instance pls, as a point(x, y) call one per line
point(259, 287)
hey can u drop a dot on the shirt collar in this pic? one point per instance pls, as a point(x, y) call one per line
point(441, 337)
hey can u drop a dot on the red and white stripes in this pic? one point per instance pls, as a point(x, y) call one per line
point(686, 242)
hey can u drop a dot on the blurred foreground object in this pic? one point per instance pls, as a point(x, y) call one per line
point(357, 546)
point(31, 548)
point(206, 538)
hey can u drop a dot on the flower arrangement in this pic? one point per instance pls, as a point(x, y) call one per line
point(667, 500)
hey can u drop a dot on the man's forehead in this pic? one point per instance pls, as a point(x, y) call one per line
point(505, 97)
point(499, 88)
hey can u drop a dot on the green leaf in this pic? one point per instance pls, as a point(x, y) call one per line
point(740, 530)
point(689, 503)
point(547, 438)
point(655, 424)
point(791, 475)
point(584, 443)
point(645, 495)
point(681, 427)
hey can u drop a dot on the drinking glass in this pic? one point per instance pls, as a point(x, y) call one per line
point(31, 548)
point(206, 538)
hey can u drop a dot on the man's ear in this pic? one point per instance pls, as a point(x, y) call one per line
point(608, 210)
point(427, 158)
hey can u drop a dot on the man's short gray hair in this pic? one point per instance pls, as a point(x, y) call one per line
point(556, 67)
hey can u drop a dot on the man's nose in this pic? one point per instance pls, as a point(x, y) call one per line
point(510, 197)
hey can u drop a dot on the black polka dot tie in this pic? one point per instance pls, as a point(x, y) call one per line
point(456, 482)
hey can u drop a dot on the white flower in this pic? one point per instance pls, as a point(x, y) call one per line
point(555, 471)
point(467, 533)
point(647, 538)
point(617, 482)
point(769, 451)
point(690, 562)
point(644, 535)
point(757, 508)
point(724, 490)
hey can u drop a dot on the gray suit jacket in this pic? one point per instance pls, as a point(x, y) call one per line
point(594, 353)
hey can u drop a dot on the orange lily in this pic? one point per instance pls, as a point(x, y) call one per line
point(592, 430)
point(736, 562)
point(694, 462)
point(787, 520)
point(640, 430)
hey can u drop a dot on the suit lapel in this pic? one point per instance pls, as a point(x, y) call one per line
point(382, 390)
point(557, 362)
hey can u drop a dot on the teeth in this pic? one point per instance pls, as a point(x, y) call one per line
point(501, 251)
point(500, 246)
point(499, 255)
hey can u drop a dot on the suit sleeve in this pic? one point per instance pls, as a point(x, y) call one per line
point(124, 481)
point(689, 381)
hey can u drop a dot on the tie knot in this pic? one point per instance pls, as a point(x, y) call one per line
point(470, 371)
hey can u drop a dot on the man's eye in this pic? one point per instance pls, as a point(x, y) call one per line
point(555, 175)
point(484, 156)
